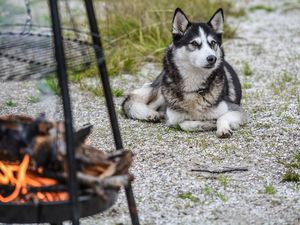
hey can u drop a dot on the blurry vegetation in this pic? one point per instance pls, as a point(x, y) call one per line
point(247, 85)
point(189, 196)
point(138, 31)
point(293, 167)
point(291, 176)
point(11, 103)
point(286, 82)
point(34, 99)
point(48, 85)
point(268, 189)
point(247, 71)
point(213, 193)
point(7, 9)
point(261, 7)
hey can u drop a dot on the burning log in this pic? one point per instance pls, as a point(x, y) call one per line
point(33, 155)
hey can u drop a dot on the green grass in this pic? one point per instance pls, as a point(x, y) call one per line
point(223, 181)
point(290, 120)
point(285, 84)
point(269, 189)
point(247, 85)
point(49, 85)
point(247, 71)
point(117, 92)
point(261, 7)
point(291, 176)
point(10, 103)
point(34, 99)
point(189, 196)
point(139, 32)
point(80, 72)
point(209, 191)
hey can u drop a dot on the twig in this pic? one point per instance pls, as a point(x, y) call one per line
point(221, 170)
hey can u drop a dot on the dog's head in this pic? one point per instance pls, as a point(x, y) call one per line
point(198, 45)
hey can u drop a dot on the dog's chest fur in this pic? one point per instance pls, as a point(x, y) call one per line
point(194, 94)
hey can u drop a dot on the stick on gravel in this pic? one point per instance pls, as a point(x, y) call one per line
point(220, 169)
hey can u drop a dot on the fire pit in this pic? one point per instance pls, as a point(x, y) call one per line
point(33, 172)
point(53, 212)
point(47, 172)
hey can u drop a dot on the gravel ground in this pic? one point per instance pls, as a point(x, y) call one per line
point(166, 190)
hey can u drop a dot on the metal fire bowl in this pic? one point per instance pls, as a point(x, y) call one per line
point(54, 212)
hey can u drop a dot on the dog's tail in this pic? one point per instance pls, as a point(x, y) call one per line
point(144, 103)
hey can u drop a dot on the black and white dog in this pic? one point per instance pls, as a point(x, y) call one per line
point(197, 89)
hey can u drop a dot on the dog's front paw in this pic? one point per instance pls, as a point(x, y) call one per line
point(154, 117)
point(224, 133)
point(234, 125)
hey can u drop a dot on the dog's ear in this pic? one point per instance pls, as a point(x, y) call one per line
point(217, 21)
point(180, 22)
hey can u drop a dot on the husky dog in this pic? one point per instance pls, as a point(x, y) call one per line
point(197, 89)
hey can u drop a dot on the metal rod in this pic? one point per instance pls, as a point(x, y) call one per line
point(63, 84)
point(109, 100)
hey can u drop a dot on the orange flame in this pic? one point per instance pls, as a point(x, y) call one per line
point(17, 175)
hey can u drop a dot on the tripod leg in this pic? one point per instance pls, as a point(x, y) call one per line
point(109, 100)
point(63, 84)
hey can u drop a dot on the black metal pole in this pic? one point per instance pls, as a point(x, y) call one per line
point(63, 84)
point(109, 99)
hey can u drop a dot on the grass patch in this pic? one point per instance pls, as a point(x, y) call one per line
point(291, 176)
point(117, 92)
point(290, 120)
point(139, 32)
point(247, 85)
point(212, 192)
point(247, 71)
point(34, 99)
point(80, 72)
point(269, 189)
point(97, 91)
point(10, 103)
point(49, 85)
point(247, 135)
point(189, 196)
point(285, 83)
point(223, 181)
point(261, 7)
point(120, 112)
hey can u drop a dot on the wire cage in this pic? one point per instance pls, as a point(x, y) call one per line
point(29, 52)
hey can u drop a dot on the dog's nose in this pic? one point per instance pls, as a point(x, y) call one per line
point(211, 59)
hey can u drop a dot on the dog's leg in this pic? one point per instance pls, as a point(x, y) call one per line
point(137, 106)
point(141, 111)
point(173, 117)
point(177, 118)
point(228, 122)
point(189, 125)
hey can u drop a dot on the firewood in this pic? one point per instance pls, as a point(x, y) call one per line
point(44, 142)
point(114, 182)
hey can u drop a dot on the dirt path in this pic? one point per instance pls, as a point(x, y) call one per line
point(166, 190)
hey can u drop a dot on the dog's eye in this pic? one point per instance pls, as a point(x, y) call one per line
point(213, 43)
point(195, 44)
